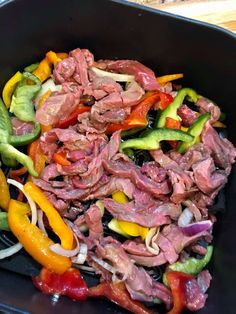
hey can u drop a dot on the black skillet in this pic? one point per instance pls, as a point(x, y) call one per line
point(166, 43)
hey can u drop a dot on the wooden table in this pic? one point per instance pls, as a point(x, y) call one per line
point(219, 12)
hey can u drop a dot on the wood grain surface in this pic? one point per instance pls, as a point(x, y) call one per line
point(219, 12)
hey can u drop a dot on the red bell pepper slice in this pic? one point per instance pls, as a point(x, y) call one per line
point(138, 116)
point(165, 100)
point(60, 158)
point(118, 294)
point(177, 281)
point(173, 124)
point(72, 119)
point(70, 283)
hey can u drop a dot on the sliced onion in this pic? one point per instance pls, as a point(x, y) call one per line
point(195, 228)
point(151, 237)
point(103, 264)
point(40, 221)
point(85, 268)
point(82, 256)
point(49, 84)
point(58, 249)
point(10, 251)
point(185, 218)
point(29, 199)
point(115, 76)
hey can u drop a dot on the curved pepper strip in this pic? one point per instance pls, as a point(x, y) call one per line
point(152, 140)
point(118, 294)
point(9, 88)
point(138, 116)
point(126, 228)
point(55, 221)
point(72, 119)
point(21, 140)
point(21, 103)
point(171, 110)
point(192, 266)
point(36, 154)
point(30, 68)
point(35, 242)
point(70, 283)
point(177, 282)
point(169, 77)
point(43, 71)
point(11, 152)
point(5, 121)
point(4, 192)
point(195, 130)
point(4, 221)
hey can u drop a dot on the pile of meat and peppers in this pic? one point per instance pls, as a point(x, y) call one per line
point(132, 163)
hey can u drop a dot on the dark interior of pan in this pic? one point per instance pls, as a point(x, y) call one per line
point(168, 44)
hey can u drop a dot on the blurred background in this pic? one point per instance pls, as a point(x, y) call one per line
point(219, 12)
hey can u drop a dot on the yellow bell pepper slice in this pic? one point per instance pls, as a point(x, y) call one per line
point(9, 88)
point(219, 124)
point(114, 226)
point(55, 220)
point(120, 197)
point(168, 78)
point(35, 242)
point(4, 192)
point(133, 229)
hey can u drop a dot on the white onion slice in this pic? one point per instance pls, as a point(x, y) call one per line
point(103, 264)
point(40, 221)
point(49, 84)
point(58, 249)
point(185, 218)
point(85, 268)
point(151, 246)
point(29, 199)
point(82, 256)
point(10, 251)
point(115, 76)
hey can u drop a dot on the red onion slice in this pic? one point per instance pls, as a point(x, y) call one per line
point(195, 228)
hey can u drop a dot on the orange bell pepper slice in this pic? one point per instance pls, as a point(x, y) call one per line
point(43, 71)
point(60, 158)
point(55, 220)
point(4, 192)
point(35, 242)
point(36, 154)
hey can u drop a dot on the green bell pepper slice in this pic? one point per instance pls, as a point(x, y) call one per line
point(195, 130)
point(21, 103)
point(153, 138)
point(4, 221)
point(192, 266)
point(5, 121)
point(171, 110)
point(11, 152)
point(21, 140)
